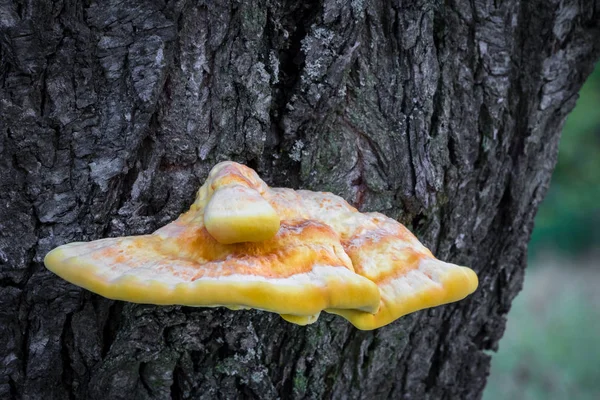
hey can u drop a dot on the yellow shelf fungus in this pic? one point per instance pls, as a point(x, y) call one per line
point(295, 253)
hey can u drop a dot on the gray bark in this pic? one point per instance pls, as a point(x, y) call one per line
point(443, 115)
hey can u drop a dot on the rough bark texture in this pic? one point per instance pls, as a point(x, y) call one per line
point(443, 115)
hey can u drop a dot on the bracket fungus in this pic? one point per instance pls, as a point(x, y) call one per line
point(295, 253)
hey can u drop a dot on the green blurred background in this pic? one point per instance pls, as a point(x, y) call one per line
point(551, 347)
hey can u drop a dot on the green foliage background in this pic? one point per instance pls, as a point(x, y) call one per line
point(551, 347)
point(569, 219)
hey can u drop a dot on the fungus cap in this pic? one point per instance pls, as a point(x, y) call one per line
point(296, 253)
point(381, 249)
point(237, 214)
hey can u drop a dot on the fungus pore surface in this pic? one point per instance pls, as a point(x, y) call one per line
point(295, 253)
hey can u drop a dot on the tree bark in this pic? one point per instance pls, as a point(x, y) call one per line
point(443, 115)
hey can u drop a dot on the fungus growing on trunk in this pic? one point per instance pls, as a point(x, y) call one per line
point(295, 253)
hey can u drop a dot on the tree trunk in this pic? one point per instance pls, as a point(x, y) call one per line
point(443, 115)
